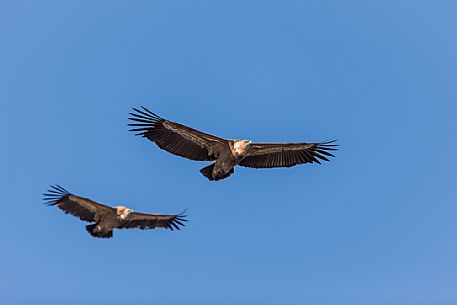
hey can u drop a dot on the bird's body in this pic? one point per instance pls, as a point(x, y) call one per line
point(114, 218)
point(229, 155)
point(225, 154)
point(106, 218)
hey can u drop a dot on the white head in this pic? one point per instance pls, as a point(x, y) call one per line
point(240, 147)
point(122, 212)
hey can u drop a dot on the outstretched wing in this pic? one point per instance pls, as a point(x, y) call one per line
point(152, 221)
point(267, 155)
point(83, 208)
point(175, 138)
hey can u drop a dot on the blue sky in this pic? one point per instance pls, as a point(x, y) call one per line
point(376, 225)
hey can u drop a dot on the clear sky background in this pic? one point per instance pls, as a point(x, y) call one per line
point(376, 225)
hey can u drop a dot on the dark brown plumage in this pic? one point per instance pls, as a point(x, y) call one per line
point(226, 154)
point(106, 218)
point(268, 155)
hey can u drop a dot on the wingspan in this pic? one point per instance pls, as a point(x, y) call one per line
point(83, 208)
point(175, 138)
point(151, 221)
point(268, 155)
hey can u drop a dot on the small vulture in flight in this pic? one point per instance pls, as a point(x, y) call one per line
point(226, 154)
point(106, 218)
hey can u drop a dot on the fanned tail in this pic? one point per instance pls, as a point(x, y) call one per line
point(208, 173)
point(100, 234)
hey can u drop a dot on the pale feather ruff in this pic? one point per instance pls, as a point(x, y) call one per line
point(122, 212)
point(240, 147)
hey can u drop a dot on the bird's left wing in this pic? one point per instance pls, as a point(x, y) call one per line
point(83, 208)
point(268, 155)
point(152, 221)
point(175, 138)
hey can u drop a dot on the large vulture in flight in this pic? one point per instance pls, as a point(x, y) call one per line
point(226, 154)
point(106, 218)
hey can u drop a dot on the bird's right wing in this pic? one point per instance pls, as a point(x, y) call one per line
point(268, 155)
point(151, 221)
point(175, 138)
point(83, 208)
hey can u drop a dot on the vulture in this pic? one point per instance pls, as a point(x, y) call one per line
point(106, 218)
point(225, 154)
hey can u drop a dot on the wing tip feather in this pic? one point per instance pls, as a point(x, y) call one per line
point(54, 194)
point(322, 149)
point(145, 119)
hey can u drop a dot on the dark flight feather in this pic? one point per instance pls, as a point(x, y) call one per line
point(268, 155)
point(175, 138)
point(83, 208)
point(150, 221)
